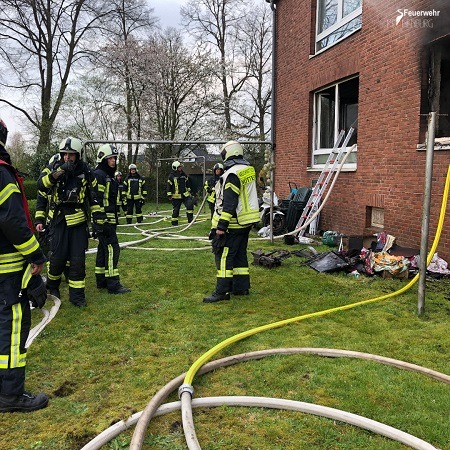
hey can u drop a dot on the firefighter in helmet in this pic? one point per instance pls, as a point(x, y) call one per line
point(21, 261)
point(236, 211)
point(121, 195)
point(108, 250)
point(179, 192)
point(70, 185)
point(136, 192)
point(210, 184)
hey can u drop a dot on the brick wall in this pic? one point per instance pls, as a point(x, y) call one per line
point(389, 60)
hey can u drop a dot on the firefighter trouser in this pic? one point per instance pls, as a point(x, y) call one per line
point(232, 263)
point(211, 208)
point(15, 323)
point(108, 251)
point(176, 205)
point(69, 244)
point(134, 203)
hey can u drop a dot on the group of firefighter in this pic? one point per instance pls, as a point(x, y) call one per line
point(70, 195)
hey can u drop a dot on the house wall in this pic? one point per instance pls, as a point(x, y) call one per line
point(390, 170)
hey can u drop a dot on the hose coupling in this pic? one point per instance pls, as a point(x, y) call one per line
point(185, 388)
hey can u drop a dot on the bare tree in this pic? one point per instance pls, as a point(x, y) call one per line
point(178, 80)
point(41, 43)
point(214, 24)
point(255, 97)
point(129, 24)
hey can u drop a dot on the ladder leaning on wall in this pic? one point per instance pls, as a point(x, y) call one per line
point(334, 162)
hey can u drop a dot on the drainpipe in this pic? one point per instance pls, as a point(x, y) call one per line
point(272, 114)
point(426, 214)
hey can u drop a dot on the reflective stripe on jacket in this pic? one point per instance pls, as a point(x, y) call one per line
point(135, 187)
point(237, 183)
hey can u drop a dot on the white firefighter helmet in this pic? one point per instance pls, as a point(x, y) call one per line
point(231, 148)
point(218, 166)
point(71, 145)
point(175, 165)
point(106, 151)
point(132, 166)
point(117, 174)
point(54, 159)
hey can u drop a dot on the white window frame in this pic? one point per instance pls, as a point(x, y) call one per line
point(341, 21)
point(316, 151)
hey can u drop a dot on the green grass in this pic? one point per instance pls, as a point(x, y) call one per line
point(103, 363)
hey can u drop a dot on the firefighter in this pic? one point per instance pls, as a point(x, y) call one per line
point(21, 261)
point(44, 214)
point(179, 192)
point(121, 194)
point(210, 185)
point(236, 212)
point(70, 184)
point(136, 193)
point(108, 250)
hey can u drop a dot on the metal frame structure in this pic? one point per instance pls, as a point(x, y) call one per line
point(163, 142)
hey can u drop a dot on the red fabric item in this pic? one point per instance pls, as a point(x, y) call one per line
point(22, 191)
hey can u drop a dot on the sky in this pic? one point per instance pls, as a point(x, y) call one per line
point(168, 12)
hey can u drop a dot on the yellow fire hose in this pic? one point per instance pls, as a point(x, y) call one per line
point(210, 353)
point(186, 387)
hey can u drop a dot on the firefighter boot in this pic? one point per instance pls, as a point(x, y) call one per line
point(77, 296)
point(22, 403)
point(190, 217)
point(215, 297)
point(114, 286)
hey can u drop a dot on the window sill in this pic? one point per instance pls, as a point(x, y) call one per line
point(439, 144)
point(320, 169)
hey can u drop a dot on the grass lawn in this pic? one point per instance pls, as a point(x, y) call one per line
point(103, 363)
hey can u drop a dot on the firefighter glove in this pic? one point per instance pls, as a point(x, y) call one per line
point(36, 291)
point(97, 229)
point(218, 243)
point(68, 166)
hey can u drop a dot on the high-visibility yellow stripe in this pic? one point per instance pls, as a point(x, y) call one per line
point(26, 276)
point(28, 247)
point(110, 260)
point(77, 284)
point(7, 191)
point(221, 273)
point(16, 358)
point(240, 271)
point(10, 257)
point(4, 359)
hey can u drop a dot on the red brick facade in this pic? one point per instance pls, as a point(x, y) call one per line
point(389, 60)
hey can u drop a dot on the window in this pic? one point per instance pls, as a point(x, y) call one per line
point(439, 85)
point(335, 20)
point(335, 109)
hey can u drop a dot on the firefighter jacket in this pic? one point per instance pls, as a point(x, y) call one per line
point(210, 184)
point(107, 191)
point(236, 197)
point(135, 187)
point(178, 185)
point(121, 199)
point(43, 213)
point(71, 196)
point(18, 245)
